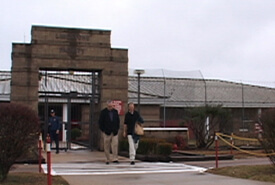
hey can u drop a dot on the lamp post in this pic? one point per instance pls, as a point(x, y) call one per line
point(139, 72)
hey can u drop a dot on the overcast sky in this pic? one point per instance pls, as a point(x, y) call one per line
point(223, 39)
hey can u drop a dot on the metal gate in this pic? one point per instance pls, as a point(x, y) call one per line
point(73, 95)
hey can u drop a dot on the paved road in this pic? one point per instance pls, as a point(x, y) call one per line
point(188, 173)
point(235, 162)
point(182, 178)
point(88, 168)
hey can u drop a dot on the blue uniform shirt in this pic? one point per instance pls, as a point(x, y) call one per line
point(54, 123)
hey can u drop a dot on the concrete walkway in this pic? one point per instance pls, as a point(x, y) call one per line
point(81, 167)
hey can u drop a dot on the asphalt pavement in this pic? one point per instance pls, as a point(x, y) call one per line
point(85, 167)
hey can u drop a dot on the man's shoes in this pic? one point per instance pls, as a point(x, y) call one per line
point(107, 162)
point(57, 152)
point(115, 162)
point(132, 163)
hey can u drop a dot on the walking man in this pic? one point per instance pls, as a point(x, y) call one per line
point(131, 117)
point(109, 123)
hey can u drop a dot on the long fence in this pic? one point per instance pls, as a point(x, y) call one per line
point(187, 89)
point(176, 90)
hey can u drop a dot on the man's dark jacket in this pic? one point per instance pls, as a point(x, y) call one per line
point(106, 125)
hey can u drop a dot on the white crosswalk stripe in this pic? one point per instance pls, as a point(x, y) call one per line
point(122, 168)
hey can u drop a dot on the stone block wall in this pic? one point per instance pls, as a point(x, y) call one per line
point(58, 48)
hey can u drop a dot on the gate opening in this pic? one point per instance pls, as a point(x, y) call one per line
point(74, 96)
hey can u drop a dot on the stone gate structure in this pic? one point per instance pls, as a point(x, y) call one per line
point(71, 49)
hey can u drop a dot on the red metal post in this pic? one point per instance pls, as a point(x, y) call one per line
point(40, 153)
point(217, 148)
point(49, 160)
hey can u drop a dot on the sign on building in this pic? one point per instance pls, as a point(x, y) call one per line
point(118, 105)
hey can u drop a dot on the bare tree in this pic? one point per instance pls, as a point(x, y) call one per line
point(18, 132)
point(203, 121)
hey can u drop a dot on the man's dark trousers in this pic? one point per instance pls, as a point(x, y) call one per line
point(55, 138)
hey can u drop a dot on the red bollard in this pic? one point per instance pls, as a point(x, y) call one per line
point(49, 160)
point(217, 148)
point(40, 152)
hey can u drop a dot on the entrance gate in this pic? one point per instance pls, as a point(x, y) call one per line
point(73, 95)
point(78, 71)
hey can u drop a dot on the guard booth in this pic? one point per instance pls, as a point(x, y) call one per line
point(74, 71)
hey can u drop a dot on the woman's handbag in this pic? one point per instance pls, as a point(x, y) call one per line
point(139, 129)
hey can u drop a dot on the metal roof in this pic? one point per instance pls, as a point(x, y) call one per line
point(59, 85)
point(65, 83)
point(170, 92)
point(183, 92)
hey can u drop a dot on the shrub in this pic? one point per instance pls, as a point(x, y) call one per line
point(164, 149)
point(76, 132)
point(18, 132)
point(123, 145)
point(148, 146)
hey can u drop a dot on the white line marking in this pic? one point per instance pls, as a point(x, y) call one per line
point(115, 169)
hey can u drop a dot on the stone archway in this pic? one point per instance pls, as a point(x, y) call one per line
point(59, 48)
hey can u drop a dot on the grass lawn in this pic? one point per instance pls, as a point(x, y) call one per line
point(23, 178)
point(256, 172)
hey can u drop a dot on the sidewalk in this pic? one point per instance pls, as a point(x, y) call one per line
point(188, 178)
point(70, 156)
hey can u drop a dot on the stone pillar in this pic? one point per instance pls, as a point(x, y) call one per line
point(24, 84)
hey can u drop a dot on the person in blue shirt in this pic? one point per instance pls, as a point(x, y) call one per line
point(54, 129)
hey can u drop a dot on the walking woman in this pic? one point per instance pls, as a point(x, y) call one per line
point(131, 117)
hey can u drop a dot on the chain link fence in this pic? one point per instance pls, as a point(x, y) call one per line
point(175, 91)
